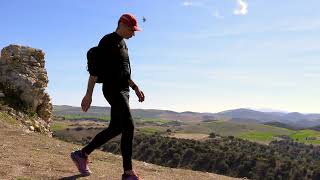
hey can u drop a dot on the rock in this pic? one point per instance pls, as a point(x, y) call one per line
point(31, 128)
point(2, 95)
point(11, 113)
point(23, 76)
point(20, 115)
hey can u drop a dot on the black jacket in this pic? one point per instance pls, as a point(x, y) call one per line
point(115, 63)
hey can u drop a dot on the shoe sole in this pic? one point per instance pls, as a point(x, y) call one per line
point(130, 178)
point(135, 178)
point(75, 161)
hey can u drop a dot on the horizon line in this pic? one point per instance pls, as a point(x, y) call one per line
point(253, 109)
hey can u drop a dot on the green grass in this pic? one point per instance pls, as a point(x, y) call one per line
point(4, 117)
point(154, 120)
point(23, 178)
point(258, 136)
point(226, 128)
point(264, 133)
point(58, 126)
point(249, 131)
point(73, 116)
point(150, 130)
point(302, 135)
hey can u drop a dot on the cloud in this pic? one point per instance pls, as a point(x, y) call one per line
point(203, 5)
point(217, 15)
point(292, 25)
point(187, 3)
point(242, 8)
point(192, 3)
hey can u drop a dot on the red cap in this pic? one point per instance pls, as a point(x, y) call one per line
point(130, 20)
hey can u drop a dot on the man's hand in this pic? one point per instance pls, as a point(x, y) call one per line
point(86, 102)
point(140, 94)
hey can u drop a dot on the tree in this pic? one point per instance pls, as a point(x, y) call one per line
point(212, 135)
point(222, 167)
point(187, 157)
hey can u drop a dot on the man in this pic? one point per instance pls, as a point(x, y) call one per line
point(116, 81)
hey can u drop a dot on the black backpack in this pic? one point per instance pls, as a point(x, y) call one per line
point(94, 61)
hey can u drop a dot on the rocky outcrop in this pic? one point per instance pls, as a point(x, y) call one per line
point(23, 81)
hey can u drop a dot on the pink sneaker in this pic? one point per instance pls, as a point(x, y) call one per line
point(81, 162)
point(130, 175)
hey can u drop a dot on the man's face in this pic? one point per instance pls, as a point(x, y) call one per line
point(129, 32)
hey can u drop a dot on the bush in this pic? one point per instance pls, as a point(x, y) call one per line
point(80, 128)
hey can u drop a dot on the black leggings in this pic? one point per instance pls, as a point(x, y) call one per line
point(121, 122)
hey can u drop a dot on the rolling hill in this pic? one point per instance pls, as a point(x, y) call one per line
point(294, 119)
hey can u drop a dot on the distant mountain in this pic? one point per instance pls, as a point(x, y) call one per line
point(269, 110)
point(294, 119)
point(71, 110)
point(244, 120)
point(314, 117)
point(281, 125)
point(316, 128)
point(294, 116)
point(61, 110)
point(242, 115)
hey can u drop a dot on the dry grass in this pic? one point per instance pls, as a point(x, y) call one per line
point(193, 136)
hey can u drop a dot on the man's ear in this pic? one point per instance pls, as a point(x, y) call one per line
point(121, 24)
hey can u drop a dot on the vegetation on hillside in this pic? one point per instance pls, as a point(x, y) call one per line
point(281, 125)
point(229, 156)
point(81, 117)
point(306, 136)
point(226, 155)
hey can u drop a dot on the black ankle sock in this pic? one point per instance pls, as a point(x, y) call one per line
point(83, 154)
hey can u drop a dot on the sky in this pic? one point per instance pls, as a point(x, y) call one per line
point(192, 55)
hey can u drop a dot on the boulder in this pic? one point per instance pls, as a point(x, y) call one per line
point(23, 78)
